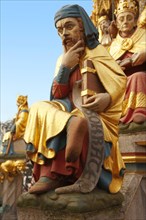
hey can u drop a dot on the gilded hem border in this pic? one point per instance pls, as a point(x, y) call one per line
point(134, 159)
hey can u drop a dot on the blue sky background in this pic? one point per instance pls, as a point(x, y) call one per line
point(29, 50)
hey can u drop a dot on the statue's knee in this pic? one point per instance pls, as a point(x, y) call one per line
point(83, 123)
point(139, 119)
point(79, 123)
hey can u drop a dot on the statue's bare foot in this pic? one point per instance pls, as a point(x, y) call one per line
point(80, 186)
point(68, 189)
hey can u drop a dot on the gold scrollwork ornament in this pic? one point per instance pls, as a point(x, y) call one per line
point(127, 44)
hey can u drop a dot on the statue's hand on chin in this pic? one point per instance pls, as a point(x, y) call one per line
point(72, 57)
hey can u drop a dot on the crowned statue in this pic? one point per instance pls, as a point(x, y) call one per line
point(129, 50)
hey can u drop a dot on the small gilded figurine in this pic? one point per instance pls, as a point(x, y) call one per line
point(19, 125)
point(104, 24)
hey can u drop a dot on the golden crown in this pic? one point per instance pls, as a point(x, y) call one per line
point(126, 5)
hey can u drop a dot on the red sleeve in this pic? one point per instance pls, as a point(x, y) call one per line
point(60, 90)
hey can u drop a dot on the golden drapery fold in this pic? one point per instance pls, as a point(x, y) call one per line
point(134, 44)
point(20, 123)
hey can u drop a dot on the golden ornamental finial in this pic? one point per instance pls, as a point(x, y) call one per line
point(126, 5)
point(142, 19)
point(9, 169)
point(21, 100)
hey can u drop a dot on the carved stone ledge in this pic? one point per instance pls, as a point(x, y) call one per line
point(133, 147)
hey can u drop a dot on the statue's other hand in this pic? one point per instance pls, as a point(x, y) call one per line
point(138, 58)
point(98, 102)
point(127, 62)
point(119, 63)
point(113, 30)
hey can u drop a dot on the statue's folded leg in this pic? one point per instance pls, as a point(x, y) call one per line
point(92, 170)
point(76, 129)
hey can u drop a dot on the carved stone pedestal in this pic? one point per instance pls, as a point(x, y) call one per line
point(96, 205)
point(11, 183)
point(74, 206)
point(132, 144)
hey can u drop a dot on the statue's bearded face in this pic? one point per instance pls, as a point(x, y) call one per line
point(71, 31)
point(104, 25)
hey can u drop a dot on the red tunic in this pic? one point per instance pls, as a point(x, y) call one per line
point(135, 97)
point(58, 166)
